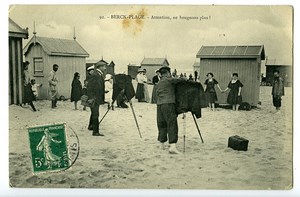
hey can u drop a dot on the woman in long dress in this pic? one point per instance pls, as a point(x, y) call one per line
point(234, 96)
point(76, 91)
point(147, 97)
point(140, 95)
point(210, 90)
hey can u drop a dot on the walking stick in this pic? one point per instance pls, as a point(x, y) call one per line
point(184, 130)
point(197, 127)
point(137, 125)
point(106, 112)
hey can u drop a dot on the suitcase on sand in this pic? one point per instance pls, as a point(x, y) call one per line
point(238, 143)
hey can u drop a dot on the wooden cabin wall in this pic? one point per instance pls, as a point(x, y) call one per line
point(249, 75)
point(16, 86)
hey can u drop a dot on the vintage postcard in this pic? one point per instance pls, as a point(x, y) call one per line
point(151, 97)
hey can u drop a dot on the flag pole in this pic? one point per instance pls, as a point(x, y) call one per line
point(197, 127)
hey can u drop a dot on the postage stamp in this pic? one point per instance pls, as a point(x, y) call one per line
point(50, 150)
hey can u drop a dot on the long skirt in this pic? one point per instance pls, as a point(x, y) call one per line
point(140, 92)
point(28, 94)
point(147, 97)
point(154, 97)
point(211, 97)
point(233, 98)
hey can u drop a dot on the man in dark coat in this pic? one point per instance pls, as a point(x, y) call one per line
point(96, 91)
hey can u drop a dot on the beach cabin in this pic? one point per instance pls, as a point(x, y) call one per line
point(110, 68)
point(222, 61)
point(152, 64)
point(16, 34)
point(132, 70)
point(284, 69)
point(69, 55)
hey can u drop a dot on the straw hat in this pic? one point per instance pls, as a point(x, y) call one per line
point(140, 70)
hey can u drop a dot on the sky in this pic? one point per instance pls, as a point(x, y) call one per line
point(179, 40)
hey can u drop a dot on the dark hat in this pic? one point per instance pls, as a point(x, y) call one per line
point(164, 68)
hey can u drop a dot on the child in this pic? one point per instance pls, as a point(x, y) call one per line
point(108, 89)
point(35, 88)
point(84, 91)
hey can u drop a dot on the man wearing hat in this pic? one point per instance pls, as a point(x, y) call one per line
point(140, 94)
point(166, 110)
point(96, 91)
point(52, 80)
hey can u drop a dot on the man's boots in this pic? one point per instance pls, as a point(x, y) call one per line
point(173, 149)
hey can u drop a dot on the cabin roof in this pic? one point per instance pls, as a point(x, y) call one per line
point(154, 61)
point(15, 30)
point(276, 62)
point(249, 51)
point(57, 46)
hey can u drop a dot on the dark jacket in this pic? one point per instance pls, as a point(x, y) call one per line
point(96, 88)
point(123, 82)
point(76, 91)
point(190, 96)
point(155, 80)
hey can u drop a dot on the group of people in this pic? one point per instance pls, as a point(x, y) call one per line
point(234, 86)
point(163, 95)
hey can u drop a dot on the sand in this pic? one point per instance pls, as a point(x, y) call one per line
point(121, 159)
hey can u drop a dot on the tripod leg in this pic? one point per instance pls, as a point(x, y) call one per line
point(197, 127)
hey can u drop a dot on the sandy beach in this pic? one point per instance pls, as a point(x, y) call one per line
point(121, 159)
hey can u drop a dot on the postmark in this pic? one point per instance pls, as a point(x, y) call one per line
point(53, 147)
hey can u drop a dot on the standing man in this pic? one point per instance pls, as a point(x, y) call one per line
point(277, 90)
point(166, 110)
point(53, 86)
point(96, 91)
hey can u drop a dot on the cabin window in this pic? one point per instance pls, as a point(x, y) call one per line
point(38, 66)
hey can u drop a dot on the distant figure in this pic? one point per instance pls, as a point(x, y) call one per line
point(35, 88)
point(210, 91)
point(28, 94)
point(277, 90)
point(84, 91)
point(191, 77)
point(52, 79)
point(76, 90)
point(234, 96)
point(140, 90)
point(181, 75)
point(196, 75)
point(155, 80)
point(108, 89)
point(90, 71)
point(147, 97)
point(184, 76)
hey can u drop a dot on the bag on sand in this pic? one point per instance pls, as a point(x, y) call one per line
point(245, 106)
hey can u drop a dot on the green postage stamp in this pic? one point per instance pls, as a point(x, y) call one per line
point(49, 148)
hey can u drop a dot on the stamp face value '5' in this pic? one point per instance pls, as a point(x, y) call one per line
point(48, 147)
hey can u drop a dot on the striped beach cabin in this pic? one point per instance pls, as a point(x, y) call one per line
point(16, 34)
